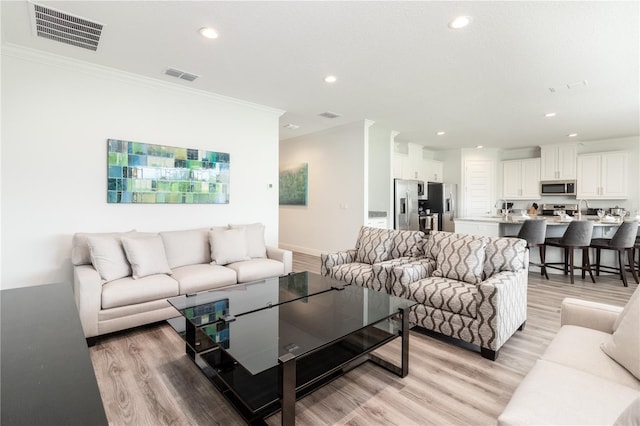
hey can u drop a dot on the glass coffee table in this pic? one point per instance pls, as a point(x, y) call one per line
point(268, 343)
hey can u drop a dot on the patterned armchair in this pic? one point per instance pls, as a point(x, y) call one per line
point(377, 251)
point(468, 287)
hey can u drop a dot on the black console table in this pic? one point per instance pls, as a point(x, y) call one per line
point(47, 376)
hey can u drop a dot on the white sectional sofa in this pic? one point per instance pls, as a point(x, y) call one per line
point(123, 279)
point(589, 374)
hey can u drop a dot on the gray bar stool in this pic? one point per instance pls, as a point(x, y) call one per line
point(577, 236)
point(533, 231)
point(622, 241)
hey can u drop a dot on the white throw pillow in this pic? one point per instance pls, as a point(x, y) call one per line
point(146, 255)
point(107, 256)
point(255, 239)
point(630, 302)
point(228, 245)
point(624, 345)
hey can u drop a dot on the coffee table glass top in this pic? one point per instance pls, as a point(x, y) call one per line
point(259, 322)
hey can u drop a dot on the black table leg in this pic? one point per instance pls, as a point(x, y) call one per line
point(190, 339)
point(288, 389)
point(405, 341)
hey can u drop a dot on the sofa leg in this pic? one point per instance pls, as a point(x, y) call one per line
point(488, 354)
point(91, 341)
point(521, 326)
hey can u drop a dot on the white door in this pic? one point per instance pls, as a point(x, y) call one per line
point(478, 188)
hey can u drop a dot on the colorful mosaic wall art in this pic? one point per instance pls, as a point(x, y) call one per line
point(293, 185)
point(144, 173)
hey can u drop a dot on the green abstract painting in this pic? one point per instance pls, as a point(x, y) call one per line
point(144, 173)
point(293, 185)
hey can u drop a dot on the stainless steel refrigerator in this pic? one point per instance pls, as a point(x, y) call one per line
point(442, 200)
point(406, 193)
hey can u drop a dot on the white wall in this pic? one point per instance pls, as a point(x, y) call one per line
point(336, 206)
point(57, 115)
point(380, 169)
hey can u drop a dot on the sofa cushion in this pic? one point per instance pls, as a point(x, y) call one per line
point(579, 347)
point(108, 257)
point(228, 245)
point(461, 257)
point(374, 247)
point(189, 247)
point(146, 256)
point(255, 239)
point(554, 394)
point(195, 278)
point(432, 243)
point(406, 244)
point(624, 345)
point(450, 295)
point(353, 273)
point(127, 291)
point(257, 269)
point(504, 254)
point(80, 251)
point(631, 414)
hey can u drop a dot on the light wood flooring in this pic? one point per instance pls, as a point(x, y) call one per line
point(145, 378)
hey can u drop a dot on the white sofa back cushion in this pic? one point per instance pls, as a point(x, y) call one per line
point(228, 245)
point(146, 256)
point(255, 239)
point(80, 252)
point(189, 247)
point(108, 257)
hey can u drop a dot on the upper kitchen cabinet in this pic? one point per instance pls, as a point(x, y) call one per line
point(521, 179)
point(558, 161)
point(409, 164)
point(602, 175)
point(433, 170)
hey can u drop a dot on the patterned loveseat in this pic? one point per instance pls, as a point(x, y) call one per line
point(468, 287)
point(377, 251)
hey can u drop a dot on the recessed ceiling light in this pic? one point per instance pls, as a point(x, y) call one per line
point(208, 32)
point(291, 126)
point(550, 114)
point(480, 146)
point(459, 22)
point(330, 79)
point(440, 133)
point(572, 135)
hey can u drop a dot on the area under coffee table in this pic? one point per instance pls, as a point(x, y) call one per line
point(268, 343)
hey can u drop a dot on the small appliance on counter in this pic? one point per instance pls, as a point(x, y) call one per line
point(555, 209)
point(428, 221)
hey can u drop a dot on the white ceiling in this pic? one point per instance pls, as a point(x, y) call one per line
point(397, 63)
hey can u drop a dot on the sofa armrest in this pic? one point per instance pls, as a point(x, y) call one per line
point(502, 307)
point(87, 289)
point(594, 315)
point(401, 276)
point(329, 260)
point(281, 255)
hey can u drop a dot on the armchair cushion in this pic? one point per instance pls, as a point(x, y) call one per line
point(446, 294)
point(353, 273)
point(407, 243)
point(461, 257)
point(432, 244)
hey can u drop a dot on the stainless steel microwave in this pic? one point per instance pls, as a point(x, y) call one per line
point(558, 187)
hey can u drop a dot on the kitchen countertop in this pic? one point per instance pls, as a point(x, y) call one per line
point(516, 219)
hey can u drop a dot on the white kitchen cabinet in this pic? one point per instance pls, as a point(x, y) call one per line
point(410, 165)
point(472, 227)
point(558, 161)
point(602, 175)
point(521, 179)
point(433, 170)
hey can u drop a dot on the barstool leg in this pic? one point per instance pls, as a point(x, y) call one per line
point(623, 273)
point(583, 270)
point(597, 262)
point(571, 263)
point(587, 264)
point(543, 269)
point(632, 266)
point(566, 261)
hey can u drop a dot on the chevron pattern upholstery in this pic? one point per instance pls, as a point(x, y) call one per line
point(484, 312)
point(377, 251)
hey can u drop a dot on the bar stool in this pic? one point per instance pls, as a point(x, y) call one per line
point(622, 241)
point(577, 236)
point(533, 231)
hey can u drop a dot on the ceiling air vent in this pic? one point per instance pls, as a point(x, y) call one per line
point(181, 74)
point(65, 28)
point(330, 114)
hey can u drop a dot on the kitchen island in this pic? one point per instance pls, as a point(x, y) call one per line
point(501, 226)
